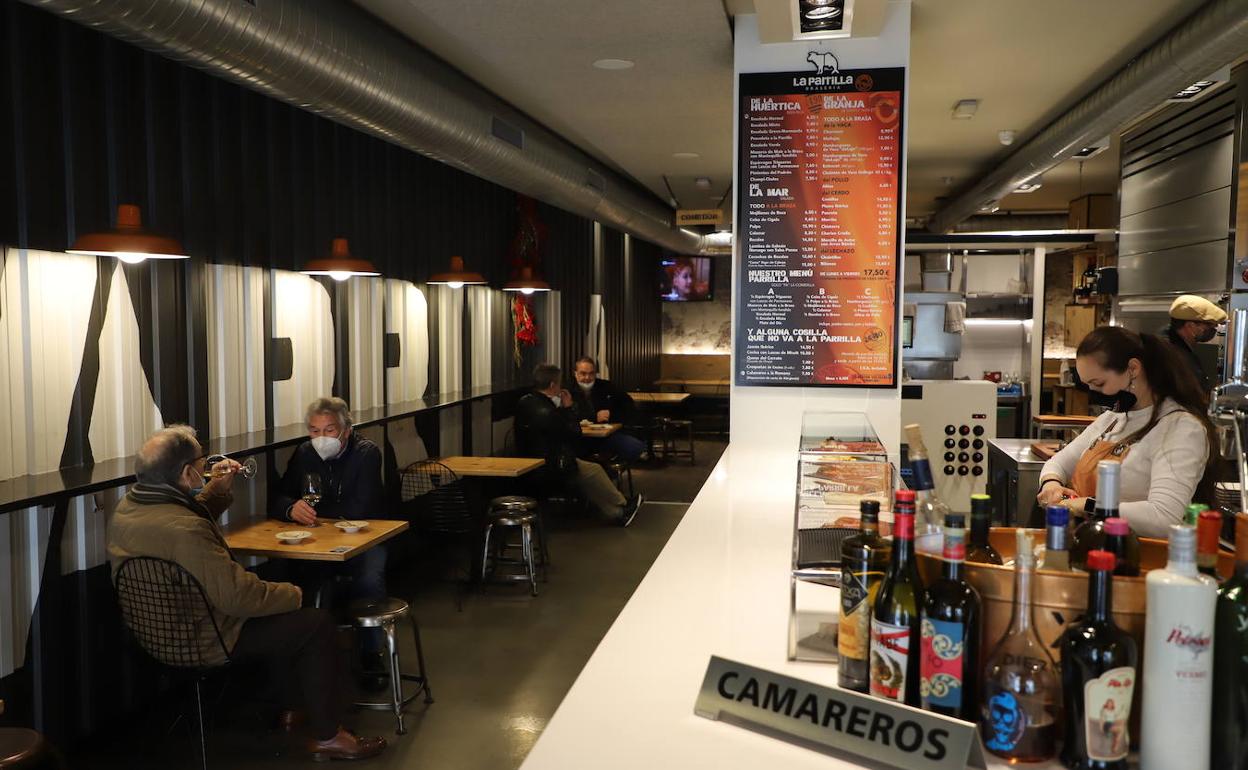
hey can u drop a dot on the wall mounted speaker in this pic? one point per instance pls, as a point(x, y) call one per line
point(281, 359)
point(391, 349)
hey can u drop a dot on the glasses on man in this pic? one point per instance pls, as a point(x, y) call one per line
point(213, 468)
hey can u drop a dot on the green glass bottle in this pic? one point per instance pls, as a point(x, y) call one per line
point(895, 616)
point(979, 549)
point(1229, 749)
point(864, 558)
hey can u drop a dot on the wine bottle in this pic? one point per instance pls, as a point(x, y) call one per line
point(1022, 699)
point(1099, 669)
point(1208, 529)
point(980, 550)
point(895, 615)
point(930, 511)
point(1230, 662)
point(1056, 556)
point(1178, 660)
point(949, 659)
point(1116, 533)
point(1090, 535)
point(864, 557)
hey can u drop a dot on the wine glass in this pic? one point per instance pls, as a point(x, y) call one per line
point(247, 469)
point(312, 489)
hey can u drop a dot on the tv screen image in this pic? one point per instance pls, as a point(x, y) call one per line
point(686, 279)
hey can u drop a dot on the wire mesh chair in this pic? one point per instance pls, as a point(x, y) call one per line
point(168, 614)
point(437, 500)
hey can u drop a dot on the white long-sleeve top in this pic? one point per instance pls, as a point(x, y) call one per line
point(1159, 474)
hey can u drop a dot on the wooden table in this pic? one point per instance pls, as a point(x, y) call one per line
point(600, 430)
point(494, 467)
point(686, 384)
point(1059, 422)
point(659, 398)
point(328, 543)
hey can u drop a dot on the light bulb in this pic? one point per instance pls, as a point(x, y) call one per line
point(527, 290)
point(131, 258)
point(455, 284)
point(339, 275)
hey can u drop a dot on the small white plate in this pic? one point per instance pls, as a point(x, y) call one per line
point(350, 527)
point(293, 536)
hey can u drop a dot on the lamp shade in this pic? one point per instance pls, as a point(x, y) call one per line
point(128, 241)
point(526, 283)
point(457, 276)
point(340, 265)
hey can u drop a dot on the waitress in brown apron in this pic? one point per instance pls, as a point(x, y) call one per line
point(1156, 428)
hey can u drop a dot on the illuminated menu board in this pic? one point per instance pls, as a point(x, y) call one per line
point(817, 228)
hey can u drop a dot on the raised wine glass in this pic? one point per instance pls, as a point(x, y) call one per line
point(247, 469)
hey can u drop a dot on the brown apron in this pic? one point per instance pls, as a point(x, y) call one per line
point(1083, 480)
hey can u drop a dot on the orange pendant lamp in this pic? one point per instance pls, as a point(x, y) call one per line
point(128, 241)
point(340, 264)
point(457, 277)
point(526, 283)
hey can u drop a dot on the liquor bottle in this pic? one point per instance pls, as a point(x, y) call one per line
point(1116, 533)
point(895, 614)
point(864, 557)
point(1192, 513)
point(1090, 535)
point(1230, 661)
point(949, 649)
point(1099, 669)
point(1178, 660)
point(1208, 528)
point(930, 511)
point(1056, 556)
point(979, 549)
point(1022, 690)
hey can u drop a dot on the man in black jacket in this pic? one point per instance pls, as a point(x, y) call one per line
point(597, 400)
point(547, 427)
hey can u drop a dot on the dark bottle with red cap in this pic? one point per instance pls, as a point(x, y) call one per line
point(949, 663)
point(1100, 665)
point(1126, 560)
point(895, 615)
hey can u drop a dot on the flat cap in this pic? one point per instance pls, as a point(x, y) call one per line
point(1189, 307)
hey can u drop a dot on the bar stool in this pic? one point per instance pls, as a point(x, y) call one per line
point(385, 614)
point(24, 749)
point(515, 511)
point(669, 428)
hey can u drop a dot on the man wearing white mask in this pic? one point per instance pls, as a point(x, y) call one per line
point(348, 467)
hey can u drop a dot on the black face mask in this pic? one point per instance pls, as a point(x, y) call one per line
point(1122, 401)
point(1207, 333)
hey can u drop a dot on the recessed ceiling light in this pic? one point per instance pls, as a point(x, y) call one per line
point(686, 155)
point(614, 64)
point(965, 109)
point(702, 183)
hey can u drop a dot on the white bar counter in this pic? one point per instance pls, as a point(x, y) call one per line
point(719, 587)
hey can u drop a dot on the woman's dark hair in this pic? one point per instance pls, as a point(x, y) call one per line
point(1168, 375)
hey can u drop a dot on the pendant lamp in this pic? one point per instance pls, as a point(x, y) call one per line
point(128, 241)
point(526, 283)
point(457, 277)
point(340, 265)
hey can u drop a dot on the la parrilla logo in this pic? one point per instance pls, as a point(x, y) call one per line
point(824, 62)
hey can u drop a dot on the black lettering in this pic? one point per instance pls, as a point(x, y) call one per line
point(936, 739)
point(857, 721)
point(723, 682)
point(749, 691)
point(916, 739)
point(810, 708)
point(772, 700)
point(881, 725)
point(833, 712)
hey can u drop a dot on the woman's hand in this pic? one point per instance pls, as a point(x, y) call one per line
point(1078, 507)
point(1054, 493)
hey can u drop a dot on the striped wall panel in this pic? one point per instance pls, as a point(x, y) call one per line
point(234, 297)
point(407, 314)
point(365, 326)
point(301, 312)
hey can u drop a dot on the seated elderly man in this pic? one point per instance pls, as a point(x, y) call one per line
point(547, 427)
point(597, 400)
point(165, 516)
point(348, 469)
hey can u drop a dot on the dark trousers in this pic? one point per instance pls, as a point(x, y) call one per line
point(301, 652)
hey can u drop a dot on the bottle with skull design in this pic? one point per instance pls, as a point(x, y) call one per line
point(1021, 708)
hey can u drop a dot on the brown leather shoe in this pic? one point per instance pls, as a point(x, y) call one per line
point(290, 720)
point(345, 745)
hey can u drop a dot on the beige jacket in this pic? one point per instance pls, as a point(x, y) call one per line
point(178, 534)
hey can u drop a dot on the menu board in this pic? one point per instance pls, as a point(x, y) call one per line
point(820, 171)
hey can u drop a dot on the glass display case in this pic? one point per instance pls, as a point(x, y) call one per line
point(841, 462)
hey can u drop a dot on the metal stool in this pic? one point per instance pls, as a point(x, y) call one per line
point(385, 614)
point(519, 512)
point(25, 749)
point(668, 437)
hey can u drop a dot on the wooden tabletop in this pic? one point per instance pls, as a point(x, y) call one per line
point(1044, 449)
point(681, 381)
point(257, 537)
point(1062, 419)
point(600, 430)
point(658, 398)
point(496, 467)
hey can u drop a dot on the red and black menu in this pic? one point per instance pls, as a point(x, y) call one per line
point(819, 203)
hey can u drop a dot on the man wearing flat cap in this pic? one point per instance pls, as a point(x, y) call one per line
point(1194, 320)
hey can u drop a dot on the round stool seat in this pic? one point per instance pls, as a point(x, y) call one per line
point(514, 503)
point(22, 747)
point(371, 613)
point(507, 518)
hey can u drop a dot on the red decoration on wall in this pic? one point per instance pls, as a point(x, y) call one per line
point(524, 325)
point(525, 251)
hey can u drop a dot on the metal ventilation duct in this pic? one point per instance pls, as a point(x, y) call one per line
point(331, 58)
point(996, 223)
point(1209, 39)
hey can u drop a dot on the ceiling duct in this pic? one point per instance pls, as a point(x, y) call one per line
point(332, 58)
point(1012, 223)
point(1209, 39)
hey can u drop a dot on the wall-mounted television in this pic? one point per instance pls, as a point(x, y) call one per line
point(686, 279)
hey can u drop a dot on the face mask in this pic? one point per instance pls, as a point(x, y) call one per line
point(326, 446)
point(1122, 401)
point(194, 493)
point(1207, 334)
point(585, 386)
point(555, 400)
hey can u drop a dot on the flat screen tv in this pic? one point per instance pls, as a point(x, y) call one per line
point(686, 279)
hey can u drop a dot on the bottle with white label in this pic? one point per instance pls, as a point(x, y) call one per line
point(1178, 660)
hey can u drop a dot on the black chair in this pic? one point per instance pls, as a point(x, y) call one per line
point(436, 500)
point(167, 612)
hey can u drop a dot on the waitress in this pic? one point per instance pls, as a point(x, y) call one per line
point(1157, 429)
